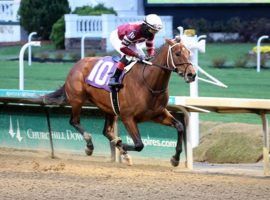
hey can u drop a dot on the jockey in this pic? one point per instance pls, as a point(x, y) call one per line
point(127, 38)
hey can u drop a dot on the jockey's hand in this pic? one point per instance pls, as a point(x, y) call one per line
point(141, 57)
point(147, 58)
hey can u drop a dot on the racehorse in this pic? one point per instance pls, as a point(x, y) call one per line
point(144, 96)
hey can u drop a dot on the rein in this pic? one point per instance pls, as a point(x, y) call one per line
point(174, 66)
point(165, 67)
point(154, 92)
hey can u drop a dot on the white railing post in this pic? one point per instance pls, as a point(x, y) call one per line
point(82, 44)
point(21, 67)
point(259, 51)
point(181, 30)
point(194, 92)
point(195, 44)
point(30, 48)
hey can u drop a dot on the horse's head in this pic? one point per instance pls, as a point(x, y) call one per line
point(178, 59)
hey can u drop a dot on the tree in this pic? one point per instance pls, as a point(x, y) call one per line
point(58, 33)
point(39, 16)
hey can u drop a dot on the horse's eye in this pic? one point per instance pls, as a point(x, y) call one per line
point(178, 53)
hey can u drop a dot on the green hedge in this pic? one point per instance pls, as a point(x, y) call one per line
point(249, 31)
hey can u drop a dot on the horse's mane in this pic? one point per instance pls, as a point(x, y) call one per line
point(158, 50)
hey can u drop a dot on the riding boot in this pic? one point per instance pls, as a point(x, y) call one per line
point(114, 80)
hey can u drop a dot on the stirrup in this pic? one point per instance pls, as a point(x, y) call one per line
point(116, 86)
point(113, 83)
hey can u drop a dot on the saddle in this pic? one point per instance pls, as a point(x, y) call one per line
point(102, 71)
point(100, 75)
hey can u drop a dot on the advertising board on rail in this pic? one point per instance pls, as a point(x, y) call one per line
point(25, 127)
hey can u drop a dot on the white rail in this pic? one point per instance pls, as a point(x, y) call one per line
point(82, 45)
point(196, 45)
point(259, 51)
point(21, 66)
point(30, 48)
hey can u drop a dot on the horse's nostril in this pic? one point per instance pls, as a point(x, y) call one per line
point(190, 75)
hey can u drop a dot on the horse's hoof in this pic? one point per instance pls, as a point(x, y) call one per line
point(89, 151)
point(174, 162)
point(127, 159)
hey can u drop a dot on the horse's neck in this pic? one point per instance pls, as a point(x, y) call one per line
point(157, 77)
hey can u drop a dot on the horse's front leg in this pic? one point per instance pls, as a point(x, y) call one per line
point(134, 133)
point(167, 119)
point(115, 141)
point(132, 128)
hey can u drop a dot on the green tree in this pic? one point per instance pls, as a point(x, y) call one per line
point(58, 33)
point(58, 30)
point(39, 16)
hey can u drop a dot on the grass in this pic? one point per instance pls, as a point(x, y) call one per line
point(38, 76)
point(241, 82)
point(229, 51)
point(13, 51)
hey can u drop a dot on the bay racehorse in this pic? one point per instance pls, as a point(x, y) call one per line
point(144, 96)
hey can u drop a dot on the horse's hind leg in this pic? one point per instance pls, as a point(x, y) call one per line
point(75, 122)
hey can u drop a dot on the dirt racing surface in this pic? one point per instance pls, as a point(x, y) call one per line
point(34, 175)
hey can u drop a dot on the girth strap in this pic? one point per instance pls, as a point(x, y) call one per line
point(114, 101)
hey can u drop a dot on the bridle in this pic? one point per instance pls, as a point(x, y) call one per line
point(167, 67)
point(174, 66)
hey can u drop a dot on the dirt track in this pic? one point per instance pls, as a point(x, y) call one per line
point(31, 175)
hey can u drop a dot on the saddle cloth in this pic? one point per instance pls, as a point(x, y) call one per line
point(102, 71)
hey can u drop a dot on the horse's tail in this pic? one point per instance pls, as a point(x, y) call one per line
point(57, 97)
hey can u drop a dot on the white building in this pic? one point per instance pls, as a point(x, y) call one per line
point(99, 27)
point(10, 30)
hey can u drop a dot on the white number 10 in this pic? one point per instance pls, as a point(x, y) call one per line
point(101, 68)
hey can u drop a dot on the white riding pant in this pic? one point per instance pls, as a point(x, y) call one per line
point(117, 43)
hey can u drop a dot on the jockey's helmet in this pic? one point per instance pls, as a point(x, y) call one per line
point(153, 22)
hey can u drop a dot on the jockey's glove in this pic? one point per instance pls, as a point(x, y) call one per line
point(141, 57)
point(147, 58)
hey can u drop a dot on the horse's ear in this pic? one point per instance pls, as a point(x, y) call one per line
point(170, 42)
